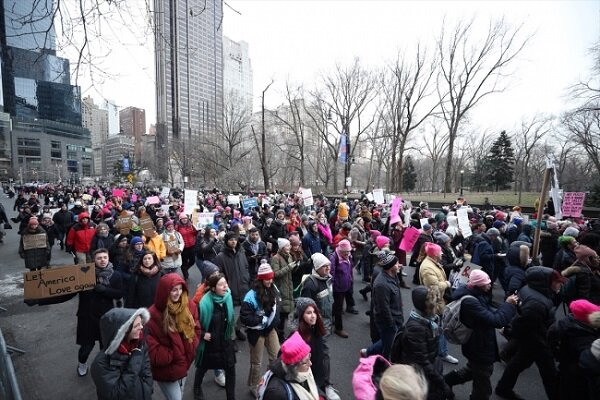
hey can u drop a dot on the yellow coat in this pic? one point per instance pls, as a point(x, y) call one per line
point(156, 244)
point(432, 274)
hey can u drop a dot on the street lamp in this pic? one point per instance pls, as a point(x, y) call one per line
point(462, 174)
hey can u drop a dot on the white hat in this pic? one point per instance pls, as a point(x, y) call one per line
point(282, 242)
point(319, 260)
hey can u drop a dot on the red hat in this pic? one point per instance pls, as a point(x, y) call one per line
point(294, 349)
point(265, 272)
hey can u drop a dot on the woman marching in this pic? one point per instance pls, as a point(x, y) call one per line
point(172, 335)
point(217, 320)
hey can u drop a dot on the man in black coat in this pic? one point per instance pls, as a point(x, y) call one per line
point(536, 314)
point(481, 350)
point(255, 250)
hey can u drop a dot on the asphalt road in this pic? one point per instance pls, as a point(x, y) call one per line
point(47, 334)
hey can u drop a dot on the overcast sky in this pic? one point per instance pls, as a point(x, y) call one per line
point(301, 39)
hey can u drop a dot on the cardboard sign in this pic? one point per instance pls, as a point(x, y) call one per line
point(572, 204)
point(60, 281)
point(124, 223)
point(395, 212)
point(37, 241)
point(409, 238)
point(164, 193)
point(233, 199)
point(250, 203)
point(378, 196)
point(147, 225)
point(153, 200)
point(460, 278)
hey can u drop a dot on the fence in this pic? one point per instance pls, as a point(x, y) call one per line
point(9, 387)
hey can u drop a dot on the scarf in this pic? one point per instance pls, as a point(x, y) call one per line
point(103, 274)
point(126, 347)
point(431, 321)
point(184, 321)
point(206, 308)
point(303, 394)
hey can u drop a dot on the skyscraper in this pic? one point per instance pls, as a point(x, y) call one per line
point(132, 121)
point(237, 73)
point(189, 75)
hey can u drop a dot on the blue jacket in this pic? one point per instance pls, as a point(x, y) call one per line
point(311, 244)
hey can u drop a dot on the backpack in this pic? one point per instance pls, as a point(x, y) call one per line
point(298, 289)
point(568, 291)
point(264, 382)
point(365, 378)
point(454, 329)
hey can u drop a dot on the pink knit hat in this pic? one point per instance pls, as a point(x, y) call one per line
point(583, 309)
point(294, 349)
point(374, 234)
point(294, 240)
point(182, 216)
point(381, 241)
point(344, 245)
point(478, 278)
point(432, 249)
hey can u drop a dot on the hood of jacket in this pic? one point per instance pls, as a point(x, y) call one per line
point(166, 283)
point(539, 278)
point(115, 324)
point(517, 256)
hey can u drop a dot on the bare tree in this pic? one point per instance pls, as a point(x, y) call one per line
point(472, 68)
point(436, 145)
point(261, 145)
point(588, 91)
point(526, 140)
point(584, 126)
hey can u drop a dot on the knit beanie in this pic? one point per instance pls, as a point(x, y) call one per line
point(182, 216)
point(440, 237)
point(265, 272)
point(282, 242)
point(386, 260)
point(374, 234)
point(344, 245)
point(427, 227)
point(478, 278)
point(33, 220)
point(564, 241)
point(584, 253)
point(294, 349)
point(571, 231)
point(498, 224)
point(381, 241)
point(432, 249)
point(135, 240)
point(294, 240)
point(500, 216)
point(584, 311)
point(168, 223)
point(319, 260)
point(301, 304)
point(493, 231)
point(342, 211)
point(517, 221)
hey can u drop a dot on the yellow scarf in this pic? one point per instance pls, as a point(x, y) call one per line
point(184, 321)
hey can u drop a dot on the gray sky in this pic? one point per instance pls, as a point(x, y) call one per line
point(301, 39)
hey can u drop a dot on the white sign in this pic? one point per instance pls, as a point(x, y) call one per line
point(265, 201)
point(165, 208)
point(190, 201)
point(233, 199)
point(378, 196)
point(370, 196)
point(205, 219)
point(164, 193)
point(407, 213)
point(423, 222)
point(463, 222)
point(307, 197)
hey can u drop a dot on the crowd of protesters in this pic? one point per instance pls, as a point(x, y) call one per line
point(281, 275)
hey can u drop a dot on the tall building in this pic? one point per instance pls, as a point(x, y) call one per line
point(132, 121)
point(95, 119)
point(189, 74)
point(114, 127)
point(47, 140)
point(115, 149)
point(237, 73)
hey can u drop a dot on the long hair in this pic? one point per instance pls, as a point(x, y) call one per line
point(306, 330)
point(267, 296)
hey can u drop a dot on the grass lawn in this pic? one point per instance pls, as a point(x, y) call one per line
point(504, 198)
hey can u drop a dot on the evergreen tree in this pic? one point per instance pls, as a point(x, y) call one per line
point(500, 163)
point(409, 176)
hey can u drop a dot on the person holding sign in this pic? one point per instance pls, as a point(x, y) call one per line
point(34, 247)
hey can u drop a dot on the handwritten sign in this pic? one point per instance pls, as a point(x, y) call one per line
point(171, 244)
point(370, 196)
point(463, 222)
point(153, 200)
point(395, 212)
point(233, 199)
point(86, 197)
point(147, 225)
point(124, 223)
point(164, 193)
point(205, 219)
point(60, 281)
point(572, 204)
point(378, 196)
point(460, 278)
point(190, 201)
point(36, 241)
point(409, 238)
point(117, 193)
point(307, 197)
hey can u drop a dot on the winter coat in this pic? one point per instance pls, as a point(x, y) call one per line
point(80, 237)
point(514, 274)
point(219, 352)
point(568, 339)
point(93, 304)
point(276, 388)
point(105, 242)
point(478, 315)
point(188, 233)
point(142, 289)
point(536, 309)
point(548, 247)
point(483, 255)
point(120, 376)
point(63, 220)
point(341, 273)
point(423, 238)
point(283, 267)
point(210, 249)
point(590, 366)
point(432, 274)
point(254, 252)
point(587, 282)
point(564, 258)
point(170, 353)
point(276, 230)
point(311, 244)
point(387, 301)
point(235, 268)
point(321, 291)
point(172, 259)
point(34, 258)
point(254, 317)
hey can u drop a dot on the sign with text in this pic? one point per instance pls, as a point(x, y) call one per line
point(205, 219)
point(153, 200)
point(460, 278)
point(307, 197)
point(395, 212)
point(378, 196)
point(190, 201)
point(463, 222)
point(59, 281)
point(36, 241)
point(572, 204)
point(233, 199)
point(147, 225)
point(124, 223)
point(164, 193)
point(118, 193)
point(409, 238)
point(249, 203)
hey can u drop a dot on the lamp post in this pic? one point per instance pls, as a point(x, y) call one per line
point(462, 174)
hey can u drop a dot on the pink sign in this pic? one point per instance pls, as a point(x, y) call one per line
point(395, 213)
point(133, 198)
point(153, 200)
point(117, 193)
point(409, 238)
point(572, 204)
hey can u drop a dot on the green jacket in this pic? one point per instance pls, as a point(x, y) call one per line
point(283, 265)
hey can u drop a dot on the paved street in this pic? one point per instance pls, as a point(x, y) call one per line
point(47, 333)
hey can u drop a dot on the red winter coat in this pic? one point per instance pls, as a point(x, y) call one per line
point(189, 233)
point(170, 353)
point(80, 236)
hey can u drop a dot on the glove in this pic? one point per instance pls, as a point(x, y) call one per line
point(100, 288)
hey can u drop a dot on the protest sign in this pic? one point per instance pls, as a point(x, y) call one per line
point(165, 208)
point(378, 196)
point(153, 200)
point(423, 221)
point(370, 196)
point(164, 193)
point(190, 201)
point(463, 222)
point(86, 197)
point(233, 199)
point(124, 223)
point(147, 225)
point(59, 281)
point(37, 241)
point(395, 212)
point(409, 238)
point(572, 204)
point(265, 201)
point(117, 193)
point(205, 219)
point(250, 203)
point(307, 197)
point(460, 278)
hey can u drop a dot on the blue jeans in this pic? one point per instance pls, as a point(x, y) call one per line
point(443, 346)
point(172, 390)
point(384, 345)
